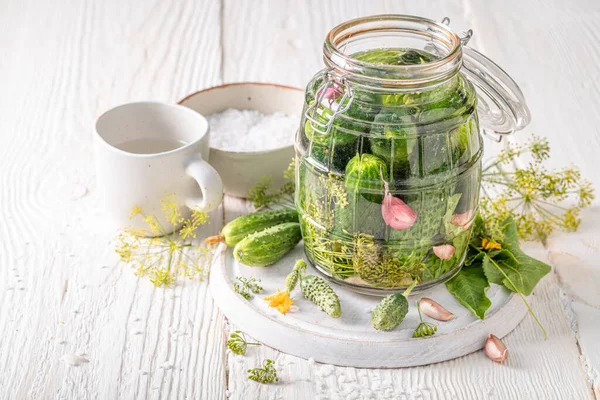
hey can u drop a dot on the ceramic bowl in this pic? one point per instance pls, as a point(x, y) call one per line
point(240, 170)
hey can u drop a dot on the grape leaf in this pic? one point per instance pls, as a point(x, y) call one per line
point(523, 271)
point(469, 287)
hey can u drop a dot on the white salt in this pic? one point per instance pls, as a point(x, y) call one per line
point(250, 130)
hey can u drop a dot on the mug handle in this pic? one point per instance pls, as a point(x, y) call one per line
point(211, 185)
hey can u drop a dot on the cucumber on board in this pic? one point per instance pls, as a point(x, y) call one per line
point(268, 246)
point(319, 292)
point(390, 312)
point(248, 224)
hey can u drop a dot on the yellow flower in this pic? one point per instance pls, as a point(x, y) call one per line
point(280, 300)
point(165, 257)
point(489, 245)
point(153, 224)
point(162, 276)
point(135, 211)
point(172, 211)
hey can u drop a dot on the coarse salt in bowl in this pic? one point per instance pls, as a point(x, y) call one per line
point(251, 130)
point(252, 110)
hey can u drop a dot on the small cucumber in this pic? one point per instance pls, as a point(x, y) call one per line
point(248, 224)
point(293, 277)
point(268, 246)
point(390, 312)
point(319, 292)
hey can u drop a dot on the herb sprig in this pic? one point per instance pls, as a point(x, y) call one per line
point(238, 344)
point(263, 196)
point(164, 257)
point(424, 328)
point(266, 374)
point(539, 200)
point(246, 286)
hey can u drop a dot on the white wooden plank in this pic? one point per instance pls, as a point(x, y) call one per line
point(575, 260)
point(62, 290)
point(556, 64)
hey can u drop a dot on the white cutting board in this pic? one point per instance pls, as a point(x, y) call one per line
point(351, 340)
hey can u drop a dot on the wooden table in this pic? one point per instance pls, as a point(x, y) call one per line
point(62, 291)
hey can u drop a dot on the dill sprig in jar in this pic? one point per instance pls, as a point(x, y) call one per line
point(388, 154)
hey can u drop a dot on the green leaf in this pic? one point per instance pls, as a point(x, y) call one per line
point(503, 258)
point(523, 271)
point(474, 257)
point(469, 287)
point(449, 229)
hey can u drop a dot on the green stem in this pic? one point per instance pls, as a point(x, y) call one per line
point(550, 204)
point(410, 288)
point(419, 310)
point(520, 295)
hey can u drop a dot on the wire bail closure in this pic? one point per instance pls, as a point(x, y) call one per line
point(501, 105)
point(328, 104)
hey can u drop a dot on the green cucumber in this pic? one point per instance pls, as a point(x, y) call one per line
point(293, 277)
point(319, 292)
point(268, 246)
point(248, 224)
point(365, 175)
point(390, 312)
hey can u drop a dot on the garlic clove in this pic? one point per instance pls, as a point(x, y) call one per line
point(330, 94)
point(495, 349)
point(396, 213)
point(444, 251)
point(463, 220)
point(434, 310)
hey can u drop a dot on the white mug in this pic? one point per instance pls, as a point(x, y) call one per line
point(147, 151)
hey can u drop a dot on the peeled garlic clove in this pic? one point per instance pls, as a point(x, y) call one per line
point(463, 220)
point(396, 213)
point(434, 310)
point(444, 251)
point(495, 349)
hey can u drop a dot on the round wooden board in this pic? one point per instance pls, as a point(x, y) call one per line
point(350, 340)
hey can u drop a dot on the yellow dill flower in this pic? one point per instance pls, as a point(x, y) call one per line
point(281, 301)
point(171, 209)
point(153, 224)
point(136, 210)
point(124, 250)
point(162, 277)
point(188, 230)
point(163, 258)
point(540, 200)
point(489, 245)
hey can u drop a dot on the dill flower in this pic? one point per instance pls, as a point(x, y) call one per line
point(238, 344)
point(263, 196)
point(266, 374)
point(540, 200)
point(165, 257)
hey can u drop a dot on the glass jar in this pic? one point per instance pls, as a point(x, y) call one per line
point(388, 154)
